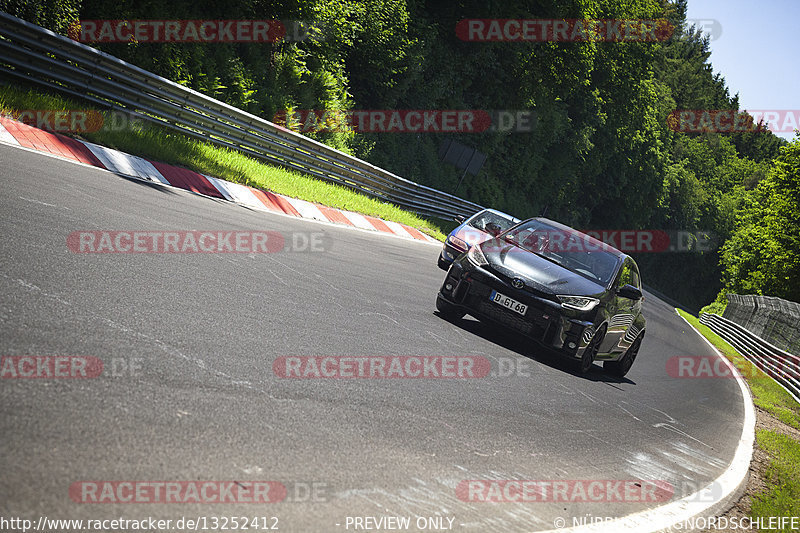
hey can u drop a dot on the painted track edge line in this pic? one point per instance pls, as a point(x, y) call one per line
point(733, 481)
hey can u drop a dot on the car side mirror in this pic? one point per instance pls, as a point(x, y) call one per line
point(630, 292)
point(460, 219)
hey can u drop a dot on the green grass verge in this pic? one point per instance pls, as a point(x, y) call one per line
point(782, 496)
point(159, 144)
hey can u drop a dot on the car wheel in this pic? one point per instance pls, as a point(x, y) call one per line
point(444, 265)
point(448, 310)
point(591, 351)
point(621, 367)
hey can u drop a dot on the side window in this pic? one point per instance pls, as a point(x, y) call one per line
point(635, 277)
point(626, 275)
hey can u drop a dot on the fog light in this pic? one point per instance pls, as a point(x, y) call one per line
point(571, 346)
point(449, 286)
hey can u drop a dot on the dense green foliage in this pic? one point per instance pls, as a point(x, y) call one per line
point(763, 255)
point(600, 155)
point(56, 15)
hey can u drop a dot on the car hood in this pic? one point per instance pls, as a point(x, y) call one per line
point(536, 271)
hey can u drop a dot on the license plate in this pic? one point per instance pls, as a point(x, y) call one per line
point(508, 303)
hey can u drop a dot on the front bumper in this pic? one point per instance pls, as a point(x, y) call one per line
point(545, 320)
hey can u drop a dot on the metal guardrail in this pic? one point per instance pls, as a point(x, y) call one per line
point(37, 55)
point(781, 366)
point(773, 319)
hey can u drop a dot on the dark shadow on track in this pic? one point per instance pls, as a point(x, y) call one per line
point(156, 186)
point(518, 343)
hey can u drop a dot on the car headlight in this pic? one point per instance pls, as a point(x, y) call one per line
point(455, 242)
point(476, 257)
point(578, 303)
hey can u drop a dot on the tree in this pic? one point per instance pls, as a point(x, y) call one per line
point(763, 255)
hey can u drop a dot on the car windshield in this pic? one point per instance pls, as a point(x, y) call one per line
point(491, 223)
point(569, 248)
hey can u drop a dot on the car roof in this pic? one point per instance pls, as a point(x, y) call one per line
point(595, 242)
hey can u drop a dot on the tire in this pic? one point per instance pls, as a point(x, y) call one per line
point(444, 265)
point(590, 353)
point(621, 367)
point(447, 310)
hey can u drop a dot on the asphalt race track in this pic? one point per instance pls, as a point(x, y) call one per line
point(188, 390)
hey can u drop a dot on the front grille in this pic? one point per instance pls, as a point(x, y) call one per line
point(507, 318)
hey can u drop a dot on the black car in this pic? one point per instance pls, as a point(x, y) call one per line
point(556, 285)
